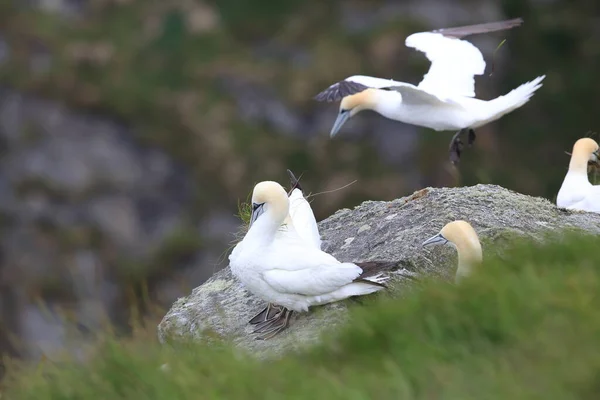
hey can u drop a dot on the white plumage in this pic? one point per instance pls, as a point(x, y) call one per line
point(286, 270)
point(303, 218)
point(445, 97)
point(576, 191)
point(446, 75)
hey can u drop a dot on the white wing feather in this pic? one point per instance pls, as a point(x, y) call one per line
point(312, 281)
point(592, 200)
point(454, 63)
point(303, 219)
point(371, 81)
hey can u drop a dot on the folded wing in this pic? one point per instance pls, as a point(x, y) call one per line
point(312, 281)
point(303, 218)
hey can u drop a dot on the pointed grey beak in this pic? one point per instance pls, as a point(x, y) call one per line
point(340, 120)
point(437, 239)
point(257, 211)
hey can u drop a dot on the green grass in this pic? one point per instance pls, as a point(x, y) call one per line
point(527, 326)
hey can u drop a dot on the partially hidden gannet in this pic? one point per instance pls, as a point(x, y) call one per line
point(288, 271)
point(302, 219)
point(445, 98)
point(463, 237)
point(576, 192)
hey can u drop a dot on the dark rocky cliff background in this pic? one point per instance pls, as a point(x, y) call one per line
point(130, 131)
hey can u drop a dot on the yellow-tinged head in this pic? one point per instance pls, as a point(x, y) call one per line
point(353, 104)
point(269, 198)
point(462, 235)
point(585, 151)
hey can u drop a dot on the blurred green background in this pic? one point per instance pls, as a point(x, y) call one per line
point(131, 130)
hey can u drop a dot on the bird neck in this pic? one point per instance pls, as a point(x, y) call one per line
point(579, 163)
point(265, 228)
point(469, 258)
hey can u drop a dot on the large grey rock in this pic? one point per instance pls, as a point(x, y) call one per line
point(374, 231)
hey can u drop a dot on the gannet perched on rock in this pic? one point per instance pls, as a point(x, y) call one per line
point(302, 219)
point(288, 271)
point(445, 98)
point(463, 237)
point(576, 192)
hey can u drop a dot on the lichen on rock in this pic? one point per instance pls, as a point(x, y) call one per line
point(396, 231)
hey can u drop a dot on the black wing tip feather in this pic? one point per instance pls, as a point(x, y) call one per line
point(294, 182)
point(362, 280)
point(462, 31)
point(339, 90)
point(372, 268)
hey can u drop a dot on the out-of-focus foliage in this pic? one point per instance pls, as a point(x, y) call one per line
point(524, 326)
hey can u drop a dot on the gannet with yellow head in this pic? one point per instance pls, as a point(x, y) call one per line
point(576, 191)
point(287, 270)
point(301, 219)
point(463, 237)
point(445, 98)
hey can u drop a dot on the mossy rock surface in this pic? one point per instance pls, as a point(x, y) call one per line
point(375, 231)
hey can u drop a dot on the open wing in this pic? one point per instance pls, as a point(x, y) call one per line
point(312, 281)
point(454, 62)
point(415, 96)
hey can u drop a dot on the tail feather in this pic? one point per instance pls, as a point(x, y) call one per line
point(512, 100)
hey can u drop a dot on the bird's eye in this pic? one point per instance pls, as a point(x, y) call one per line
point(255, 206)
point(344, 111)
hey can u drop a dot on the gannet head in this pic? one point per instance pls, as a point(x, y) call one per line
point(270, 198)
point(462, 235)
point(585, 151)
point(352, 105)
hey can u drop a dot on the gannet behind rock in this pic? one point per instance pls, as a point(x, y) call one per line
point(463, 237)
point(576, 191)
point(445, 98)
point(289, 271)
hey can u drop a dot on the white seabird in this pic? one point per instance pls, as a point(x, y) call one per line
point(576, 191)
point(463, 237)
point(445, 98)
point(302, 219)
point(288, 271)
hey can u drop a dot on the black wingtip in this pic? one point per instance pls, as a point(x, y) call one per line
point(294, 182)
point(362, 280)
point(339, 90)
point(463, 31)
point(373, 268)
point(516, 21)
point(321, 96)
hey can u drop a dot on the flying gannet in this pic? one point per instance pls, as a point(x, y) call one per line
point(576, 192)
point(302, 219)
point(463, 237)
point(445, 98)
point(285, 269)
